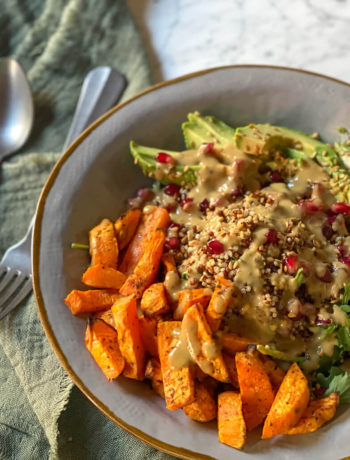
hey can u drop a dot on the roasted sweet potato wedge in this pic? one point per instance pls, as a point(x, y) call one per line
point(147, 267)
point(148, 328)
point(153, 372)
point(219, 303)
point(201, 344)
point(178, 381)
point(90, 301)
point(230, 362)
point(129, 337)
point(106, 316)
point(233, 343)
point(125, 227)
point(189, 297)
point(153, 218)
point(103, 245)
point(168, 261)
point(316, 414)
point(102, 342)
point(154, 300)
point(289, 404)
point(204, 407)
point(231, 424)
point(255, 388)
point(100, 276)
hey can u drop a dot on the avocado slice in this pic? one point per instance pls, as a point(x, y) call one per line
point(200, 129)
point(264, 138)
point(179, 174)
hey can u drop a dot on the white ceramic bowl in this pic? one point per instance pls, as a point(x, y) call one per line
point(92, 180)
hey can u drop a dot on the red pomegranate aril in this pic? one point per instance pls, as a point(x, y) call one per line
point(322, 321)
point(341, 208)
point(292, 263)
point(272, 236)
point(208, 147)
point(186, 204)
point(165, 158)
point(319, 392)
point(172, 243)
point(343, 250)
point(309, 206)
point(331, 219)
point(204, 205)
point(345, 260)
point(327, 231)
point(326, 277)
point(275, 176)
point(215, 247)
point(171, 189)
point(145, 193)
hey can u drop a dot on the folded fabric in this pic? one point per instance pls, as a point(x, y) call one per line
point(42, 414)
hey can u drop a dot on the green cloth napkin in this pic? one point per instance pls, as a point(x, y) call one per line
point(42, 414)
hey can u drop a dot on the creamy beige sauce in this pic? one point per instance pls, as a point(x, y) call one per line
point(218, 176)
point(189, 347)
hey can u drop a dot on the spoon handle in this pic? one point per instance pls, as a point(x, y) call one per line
point(102, 88)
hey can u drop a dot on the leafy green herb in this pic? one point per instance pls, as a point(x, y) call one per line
point(331, 328)
point(326, 362)
point(184, 276)
point(345, 308)
point(343, 336)
point(346, 296)
point(342, 130)
point(80, 246)
point(299, 277)
point(337, 381)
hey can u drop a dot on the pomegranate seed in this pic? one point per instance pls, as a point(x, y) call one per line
point(145, 193)
point(171, 189)
point(331, 219)
point(271, 236)
point(292, 263)
point(173, 242)
point(319, 392)
point(321, 321)
point(275, 176)
point(204, 205)
point(207, 147)
point(343, 250)
point(309, 206)
point(215, 247)
point(186, 204)
point(326, 277)
point(341, 208)
point(345, 260)
point(327, 231)
point(165, 158)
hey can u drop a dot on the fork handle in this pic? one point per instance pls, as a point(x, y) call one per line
point(102, 88)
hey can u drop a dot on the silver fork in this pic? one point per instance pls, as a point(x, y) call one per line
point(102, 88)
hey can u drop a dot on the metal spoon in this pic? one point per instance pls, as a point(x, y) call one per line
point(16, 108)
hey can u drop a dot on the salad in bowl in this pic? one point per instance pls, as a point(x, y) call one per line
point(226, 285)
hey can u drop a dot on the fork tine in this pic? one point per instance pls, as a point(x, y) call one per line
point(11, 288)
point(7, 278)
point(22, 294)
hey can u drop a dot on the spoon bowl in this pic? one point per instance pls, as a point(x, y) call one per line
point(16, 109)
